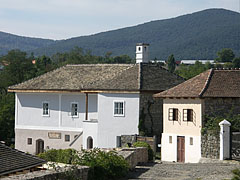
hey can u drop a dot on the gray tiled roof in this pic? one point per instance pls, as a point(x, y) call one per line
point(123, 77)
point(211, 83)
point(12, 160)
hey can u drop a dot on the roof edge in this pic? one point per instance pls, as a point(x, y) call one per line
point(71, 91)
point(207, 83)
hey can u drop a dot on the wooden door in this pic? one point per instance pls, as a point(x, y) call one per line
point(180, 149)
point(39, 146)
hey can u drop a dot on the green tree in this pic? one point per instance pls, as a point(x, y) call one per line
point(236, 62)
point(225, 55)
point(171, 64)
point(189, 71)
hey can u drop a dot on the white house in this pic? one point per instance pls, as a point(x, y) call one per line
point(215, 92)
point(87, 105)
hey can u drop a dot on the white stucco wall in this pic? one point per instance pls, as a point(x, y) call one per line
point(182, 128)
point(100, 108)
point(29, 110)
point(30, 123)
point(109, 126)
point(90, 130)
point(169, 150)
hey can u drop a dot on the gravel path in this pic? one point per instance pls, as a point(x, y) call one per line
point(179, 171)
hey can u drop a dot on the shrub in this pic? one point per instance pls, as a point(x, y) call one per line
point(66, 156)
point(103, 165)
point(144, 144)
point(236, 173)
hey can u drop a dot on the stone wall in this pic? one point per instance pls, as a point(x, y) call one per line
point(235, 148)
point(151, 113)
point(80, 172)
point(128, 140)
point(210, 145)
point(221, 106)
point(134, 156)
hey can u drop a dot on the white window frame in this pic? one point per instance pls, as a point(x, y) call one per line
point(118, 101)
point(48, 112)
point(72, 111)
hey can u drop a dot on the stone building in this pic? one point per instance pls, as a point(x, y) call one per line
point(212, 93)
point(90, 105)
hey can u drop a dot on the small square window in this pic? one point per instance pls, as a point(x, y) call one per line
point(67, 138)
point(29, 141)
point(173, 114)
point(74, 109)
point(191, 141)
point(45, 106)
point(170, 139)
point(118, 108)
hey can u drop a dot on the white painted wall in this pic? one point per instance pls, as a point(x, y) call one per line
point(109, 126)
point(90, 130)
point(169, 150)
point(29, 110)
point(100, 107)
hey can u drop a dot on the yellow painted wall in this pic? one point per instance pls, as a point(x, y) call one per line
point(182, 127)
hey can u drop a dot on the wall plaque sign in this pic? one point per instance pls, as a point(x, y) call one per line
point(54, 135)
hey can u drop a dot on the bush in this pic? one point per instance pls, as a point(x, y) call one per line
point(66, 156)
point(236, 173)
point(103, 165)
point(144, 144)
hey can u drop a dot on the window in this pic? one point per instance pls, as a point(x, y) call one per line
point(139, 49)
point(188, 115)
point(173, 114)
point(74, 109)
point(170, 139)
point(118, 108)
point(191, 141)
point(29, 141)
point(67, 138)
point(45, 109)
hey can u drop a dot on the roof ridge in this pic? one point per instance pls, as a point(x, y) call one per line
point(207, 82)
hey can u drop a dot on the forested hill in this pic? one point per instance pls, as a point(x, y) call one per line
point(193, 36)
point(10, 41)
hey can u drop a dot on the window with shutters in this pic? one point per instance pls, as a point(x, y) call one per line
point(188, 115)
point(173, 114)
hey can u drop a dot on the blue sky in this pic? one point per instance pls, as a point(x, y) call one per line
point(61, 19)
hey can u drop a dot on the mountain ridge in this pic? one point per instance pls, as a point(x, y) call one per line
point(197, 35)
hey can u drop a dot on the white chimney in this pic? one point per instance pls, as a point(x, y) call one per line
point(142, 53)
